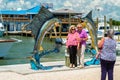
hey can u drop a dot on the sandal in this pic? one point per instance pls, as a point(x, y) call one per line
point(71, 65)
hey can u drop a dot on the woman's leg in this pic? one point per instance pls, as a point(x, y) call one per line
point(70, 52)
point(110, 67)
point(74, 55)
point(78, 56)
point(103, 69)
point(82, 55)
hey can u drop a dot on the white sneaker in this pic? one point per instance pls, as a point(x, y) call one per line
point(81, 66)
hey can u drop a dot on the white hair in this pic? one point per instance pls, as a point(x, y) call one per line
point(110, 33)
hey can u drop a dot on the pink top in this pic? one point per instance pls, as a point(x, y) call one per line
point(72, 39)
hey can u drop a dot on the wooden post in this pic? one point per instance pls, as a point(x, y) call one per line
point(119, 35)
point(97, 24)
point(67, 58)
point(7, 27)
point(22, 30)
point(26, 33)
point(110, 23)
point(6, 30)
point(105, 24)
point(60, 29)
point(97, 27)
point(69, 19)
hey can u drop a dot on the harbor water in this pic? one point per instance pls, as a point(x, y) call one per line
point(19, 52)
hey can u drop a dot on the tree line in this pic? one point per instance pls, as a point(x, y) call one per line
point(115, 23)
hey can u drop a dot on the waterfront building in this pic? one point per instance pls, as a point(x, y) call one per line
point(14, 20)
point(67, 17)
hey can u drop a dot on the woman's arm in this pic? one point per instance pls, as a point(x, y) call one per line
point(85, 36)
point(101, 42)
point(85, 39)
point(67, 41)
point(97, 55)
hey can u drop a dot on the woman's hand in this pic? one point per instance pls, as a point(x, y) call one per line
point(78, 47)
point(66, 46)
point(97, 55)
point(84, 39)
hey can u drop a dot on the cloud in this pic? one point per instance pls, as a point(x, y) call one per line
point(105, 7)
point(113, 15)
point(114, 2)
point(15, 4)
point(1, 1)
point(67, 3)
point(22, 1)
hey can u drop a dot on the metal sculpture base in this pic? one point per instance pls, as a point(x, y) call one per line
point(35, 59)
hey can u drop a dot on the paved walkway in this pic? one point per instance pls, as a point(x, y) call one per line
point(58, 72)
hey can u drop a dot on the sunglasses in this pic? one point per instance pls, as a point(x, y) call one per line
point(72, 29)
point(79, 27)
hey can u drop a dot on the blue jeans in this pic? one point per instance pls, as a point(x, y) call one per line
point(107, 67)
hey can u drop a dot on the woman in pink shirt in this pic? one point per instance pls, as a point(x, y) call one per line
point(72, 45)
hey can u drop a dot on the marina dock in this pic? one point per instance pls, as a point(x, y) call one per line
point(28, 33)
point(23, 33)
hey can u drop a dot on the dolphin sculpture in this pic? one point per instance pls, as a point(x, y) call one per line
point(42, 22)
point(90, 25)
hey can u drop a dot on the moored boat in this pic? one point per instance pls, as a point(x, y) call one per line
point(101, 29)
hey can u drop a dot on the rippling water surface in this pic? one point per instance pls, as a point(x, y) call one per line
point(19, 51)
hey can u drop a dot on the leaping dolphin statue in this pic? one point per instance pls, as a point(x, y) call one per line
point(43, 22)
point(90, 25)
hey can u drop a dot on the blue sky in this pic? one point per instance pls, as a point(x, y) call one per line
point(109, 8)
